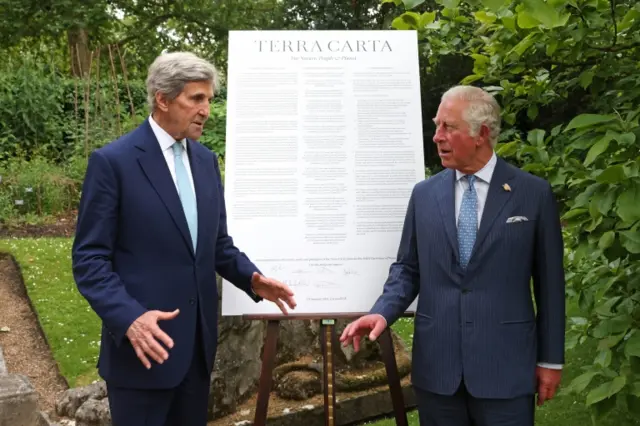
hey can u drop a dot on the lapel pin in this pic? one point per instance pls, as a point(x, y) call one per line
point(506, 187)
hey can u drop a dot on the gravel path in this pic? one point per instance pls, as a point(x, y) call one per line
point(25, 349)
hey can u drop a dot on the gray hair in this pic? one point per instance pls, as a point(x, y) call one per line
point(482, 109)
point(169, 73)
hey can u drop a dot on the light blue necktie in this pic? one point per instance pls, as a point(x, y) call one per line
point(468, 222)
point(187, 196)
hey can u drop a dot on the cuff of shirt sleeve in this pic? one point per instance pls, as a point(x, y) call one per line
point(254, 296)
point(551, 366)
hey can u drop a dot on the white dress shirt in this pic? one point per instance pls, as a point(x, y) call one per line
point(166, 142)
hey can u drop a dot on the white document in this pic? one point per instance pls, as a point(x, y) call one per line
point(324, 145)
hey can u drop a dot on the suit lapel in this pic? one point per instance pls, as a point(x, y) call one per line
point(446, 202)
point(155, 168)
point(198, 171)
point(497, 197)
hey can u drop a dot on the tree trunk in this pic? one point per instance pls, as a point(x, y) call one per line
point(78, 39)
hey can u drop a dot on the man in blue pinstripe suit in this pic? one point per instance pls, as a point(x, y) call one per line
point(475, 236)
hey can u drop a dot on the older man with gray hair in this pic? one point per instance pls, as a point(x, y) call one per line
point(475, 236)
point(150, 238)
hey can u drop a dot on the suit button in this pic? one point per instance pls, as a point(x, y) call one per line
point(466, 290)
point(192, 301)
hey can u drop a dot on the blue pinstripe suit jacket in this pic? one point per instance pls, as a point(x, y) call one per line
point(481, 325)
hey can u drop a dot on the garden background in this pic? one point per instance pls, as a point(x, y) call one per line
point(567, 74)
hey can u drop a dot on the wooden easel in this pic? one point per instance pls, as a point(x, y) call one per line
point(328, 342)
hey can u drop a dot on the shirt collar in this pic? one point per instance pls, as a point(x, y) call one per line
point(484, 173)
point(165, 140)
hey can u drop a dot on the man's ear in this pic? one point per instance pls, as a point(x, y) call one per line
point(162, 103)
point(484, 134)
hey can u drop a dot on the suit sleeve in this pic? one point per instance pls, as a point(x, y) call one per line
point(403, 283)
point(93, 246)
point(549, 282)
point(231, 263)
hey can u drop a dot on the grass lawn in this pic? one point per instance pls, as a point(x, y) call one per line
point(71, 327)
point(73, 331)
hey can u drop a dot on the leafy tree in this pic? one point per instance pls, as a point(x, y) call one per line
point(341, 15)
point(568, 77)
point(141, 27)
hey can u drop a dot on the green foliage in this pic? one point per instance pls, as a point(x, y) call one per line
point(601, 162)
point(35, 188)
point(44, 112)
point(567, 76)
point(49, 18)
point(343, 15)
point(30, 108)
point(141, 29)
point(50, 122)
point(214, 134)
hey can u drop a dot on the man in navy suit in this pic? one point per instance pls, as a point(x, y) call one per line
point(475, 236)
point(151, 235)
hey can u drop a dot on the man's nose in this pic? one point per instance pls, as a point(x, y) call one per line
point(437, 136)
point(205, 110)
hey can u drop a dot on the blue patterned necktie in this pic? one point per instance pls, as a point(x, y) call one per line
point(468, 222)
point(187, 196)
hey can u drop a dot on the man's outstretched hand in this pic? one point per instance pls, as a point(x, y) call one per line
point(274, 291)
point(144, 334)
point(373, 324)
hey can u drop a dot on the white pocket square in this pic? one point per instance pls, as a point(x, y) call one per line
point(514, 219)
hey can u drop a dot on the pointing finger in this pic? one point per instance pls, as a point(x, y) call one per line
point(355, 327)
point(377, 331)
point(290, 301)
point(287, 290)
point(345, 333)
point(356, 344)
point(281, 306)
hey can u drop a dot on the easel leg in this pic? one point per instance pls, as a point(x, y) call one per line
point(327, 331)
point(388, 355)
point(266, 373)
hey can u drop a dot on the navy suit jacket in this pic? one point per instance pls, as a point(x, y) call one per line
point(133, 252)
point(480, 325)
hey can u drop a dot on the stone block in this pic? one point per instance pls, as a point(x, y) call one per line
point(94, 413)
point(18, 401)
point(72, 399)
point(43, 420)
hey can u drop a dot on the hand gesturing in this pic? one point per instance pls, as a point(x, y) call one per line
point(274, 291)
point(144, 334)
point(373, 324)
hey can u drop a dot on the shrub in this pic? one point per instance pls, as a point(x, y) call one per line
point(38, 187)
